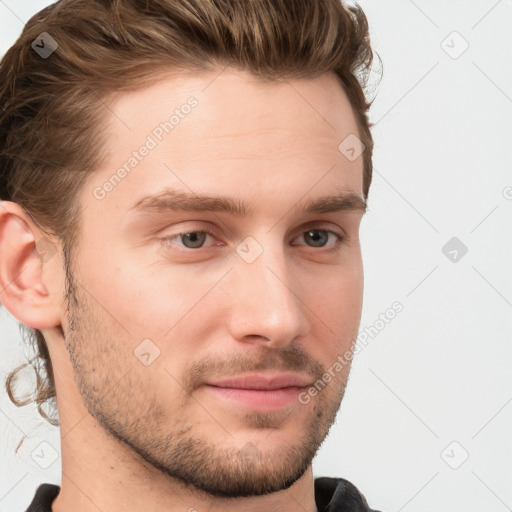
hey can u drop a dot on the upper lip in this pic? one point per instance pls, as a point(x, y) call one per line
point(264, 381)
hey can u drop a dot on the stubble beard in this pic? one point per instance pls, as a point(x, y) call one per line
point(177, 449)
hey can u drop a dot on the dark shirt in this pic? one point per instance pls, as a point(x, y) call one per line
point(331, 495)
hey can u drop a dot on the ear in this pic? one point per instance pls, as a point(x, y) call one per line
point(28, 257)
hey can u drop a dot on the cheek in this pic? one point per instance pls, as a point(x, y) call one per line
point(338, 297)
point(171, 307)
point(336, 314)
point(146, 304)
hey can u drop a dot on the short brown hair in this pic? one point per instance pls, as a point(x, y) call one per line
point(52, 108)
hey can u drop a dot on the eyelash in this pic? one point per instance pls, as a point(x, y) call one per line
point(168, 240)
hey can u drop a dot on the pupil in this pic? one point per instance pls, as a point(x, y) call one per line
point(196, 239)
point(318, 237)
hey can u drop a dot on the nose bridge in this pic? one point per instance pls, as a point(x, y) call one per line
point(265, 303)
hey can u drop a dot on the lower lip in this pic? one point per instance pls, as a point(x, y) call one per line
point(259, 399)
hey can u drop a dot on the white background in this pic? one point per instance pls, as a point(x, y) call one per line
point(440, 371)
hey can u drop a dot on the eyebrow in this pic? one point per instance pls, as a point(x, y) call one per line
point(175, 200)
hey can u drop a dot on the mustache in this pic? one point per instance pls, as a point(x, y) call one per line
point(292, 359)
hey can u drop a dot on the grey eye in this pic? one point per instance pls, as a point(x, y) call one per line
point(194, 239)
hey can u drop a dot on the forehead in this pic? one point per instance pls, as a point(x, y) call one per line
point(232, 103)
point(228, 127)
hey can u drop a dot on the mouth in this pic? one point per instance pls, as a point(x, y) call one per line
point(259, 392)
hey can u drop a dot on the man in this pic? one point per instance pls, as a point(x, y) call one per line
point(182, 188)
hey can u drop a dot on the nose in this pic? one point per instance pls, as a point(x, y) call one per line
point(266, 306)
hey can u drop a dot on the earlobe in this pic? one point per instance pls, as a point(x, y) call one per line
point(24, 250)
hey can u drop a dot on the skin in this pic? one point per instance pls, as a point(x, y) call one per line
point(211, 314)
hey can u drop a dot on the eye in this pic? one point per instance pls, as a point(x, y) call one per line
point(189, 239)
point(320, 237)
point(195, 239)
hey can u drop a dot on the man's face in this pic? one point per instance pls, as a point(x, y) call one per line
point(191, 347)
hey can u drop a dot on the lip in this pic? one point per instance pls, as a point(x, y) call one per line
point(259, 392)
point(262, 381)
